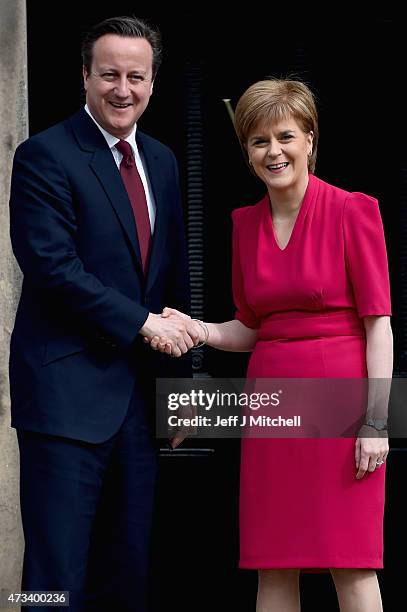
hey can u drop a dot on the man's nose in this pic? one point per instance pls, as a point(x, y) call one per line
point(122, 88)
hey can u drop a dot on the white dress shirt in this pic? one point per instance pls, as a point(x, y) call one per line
point(117, 156)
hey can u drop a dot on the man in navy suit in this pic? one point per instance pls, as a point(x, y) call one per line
point(79, 369)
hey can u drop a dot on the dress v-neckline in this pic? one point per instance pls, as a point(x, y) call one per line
point(298, 220)
point(291, 233)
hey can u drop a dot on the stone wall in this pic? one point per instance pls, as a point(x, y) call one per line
point(14, 129)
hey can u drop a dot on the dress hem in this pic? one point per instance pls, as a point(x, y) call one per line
point(311, 564)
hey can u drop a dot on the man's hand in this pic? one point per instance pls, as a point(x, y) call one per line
point(184, 429)
point(162, 343)
point(174, 334)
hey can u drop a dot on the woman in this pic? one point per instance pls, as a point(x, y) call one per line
point(311, 288)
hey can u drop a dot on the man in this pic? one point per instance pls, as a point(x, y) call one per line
point(96, 226)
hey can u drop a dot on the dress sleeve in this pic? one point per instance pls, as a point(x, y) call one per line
point(244, 313)
point(365, 255)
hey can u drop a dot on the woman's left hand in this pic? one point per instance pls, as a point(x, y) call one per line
point(370, 452)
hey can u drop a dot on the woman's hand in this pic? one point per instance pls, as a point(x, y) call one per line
point(370, 452)
point(162, 343)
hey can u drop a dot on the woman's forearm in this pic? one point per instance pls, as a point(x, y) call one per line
point(379, 347)
point(379, 361)
point(231, 336)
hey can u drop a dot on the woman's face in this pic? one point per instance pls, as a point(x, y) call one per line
point(279, 154)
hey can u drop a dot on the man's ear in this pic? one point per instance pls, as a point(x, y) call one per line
point(85, 75)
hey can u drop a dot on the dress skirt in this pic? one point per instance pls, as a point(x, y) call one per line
point(300, 503)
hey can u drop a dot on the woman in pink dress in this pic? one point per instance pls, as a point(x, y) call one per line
point(311, 289)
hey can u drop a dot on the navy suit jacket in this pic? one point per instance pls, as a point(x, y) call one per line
point(76, 356)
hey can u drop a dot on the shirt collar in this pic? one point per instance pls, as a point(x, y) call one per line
point(113, 140)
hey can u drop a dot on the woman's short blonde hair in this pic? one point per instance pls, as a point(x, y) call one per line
point(274, 100)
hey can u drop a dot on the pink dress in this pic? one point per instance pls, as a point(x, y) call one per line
point(300, 503)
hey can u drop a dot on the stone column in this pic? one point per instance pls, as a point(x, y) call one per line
point(14, 129)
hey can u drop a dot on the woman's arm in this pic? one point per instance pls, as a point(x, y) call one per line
point(379, 361)
point(379, 347)
point(229, 336)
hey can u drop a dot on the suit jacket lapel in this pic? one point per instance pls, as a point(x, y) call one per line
point(102, 164)
point(154, 171)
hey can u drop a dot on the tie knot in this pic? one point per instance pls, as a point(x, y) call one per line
point(125, 149)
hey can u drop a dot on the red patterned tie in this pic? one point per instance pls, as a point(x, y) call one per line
point(137, 196)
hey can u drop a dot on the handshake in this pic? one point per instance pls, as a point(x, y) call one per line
point(173, 332)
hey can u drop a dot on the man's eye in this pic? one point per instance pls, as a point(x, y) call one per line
point(286, 137)
point(136, 78)
point(108, 76)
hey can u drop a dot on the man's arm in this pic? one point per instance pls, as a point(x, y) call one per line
point(43, 229)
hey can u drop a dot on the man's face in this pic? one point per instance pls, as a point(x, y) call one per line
point(120, 84)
